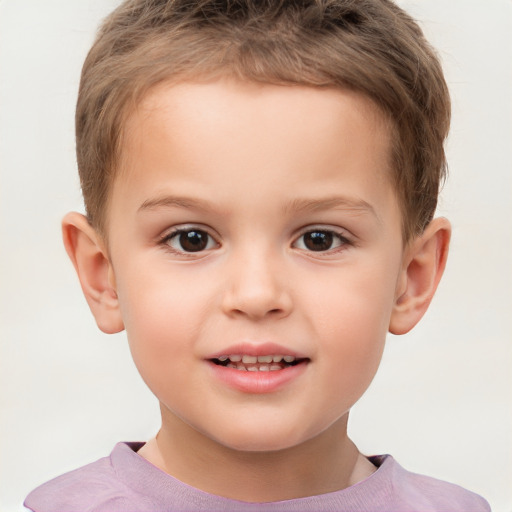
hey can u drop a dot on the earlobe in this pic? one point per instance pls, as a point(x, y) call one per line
point(90, 259)
point(424, 263)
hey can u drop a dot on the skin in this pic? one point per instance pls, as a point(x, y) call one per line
point(256, 168)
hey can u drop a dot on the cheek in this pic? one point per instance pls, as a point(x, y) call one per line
point(155, 299)
point(162, 316)
point(350, 358)
point(352, 318)
point(355, 303)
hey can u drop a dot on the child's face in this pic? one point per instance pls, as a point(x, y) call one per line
point(255, 220)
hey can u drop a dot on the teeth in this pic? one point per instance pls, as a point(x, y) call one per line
point(260, 368)
point(249, 363)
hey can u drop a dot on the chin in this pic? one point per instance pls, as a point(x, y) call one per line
point(269, 438)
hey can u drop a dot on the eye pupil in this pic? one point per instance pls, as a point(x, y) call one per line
point(318, 240)
point(193, 241)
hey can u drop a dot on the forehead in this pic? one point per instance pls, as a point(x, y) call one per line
point(226, 112)
point(241, 145)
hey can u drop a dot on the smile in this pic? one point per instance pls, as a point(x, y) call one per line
point(263, 363)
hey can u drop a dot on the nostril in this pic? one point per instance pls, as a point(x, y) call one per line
point(257, 313)
point(256, 300)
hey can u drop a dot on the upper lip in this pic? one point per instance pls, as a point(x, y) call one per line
point(257, 349)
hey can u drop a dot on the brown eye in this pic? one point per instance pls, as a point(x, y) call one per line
point(321, 240)
point(190, 240)
point(318, 240)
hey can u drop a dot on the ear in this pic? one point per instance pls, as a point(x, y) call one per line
point(423, 266)
point(92, 264)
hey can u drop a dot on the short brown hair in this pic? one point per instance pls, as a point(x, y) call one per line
point(370, 46)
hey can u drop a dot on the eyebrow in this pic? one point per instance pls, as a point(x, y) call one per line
point(175, 202)
point(332, 203)
point(357, 206)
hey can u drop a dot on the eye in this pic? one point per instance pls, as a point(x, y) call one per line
point(190, 240)
point(320, 240)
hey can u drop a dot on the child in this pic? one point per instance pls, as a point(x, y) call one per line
point(260, 180)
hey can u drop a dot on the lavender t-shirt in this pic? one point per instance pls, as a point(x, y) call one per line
point(126, 482)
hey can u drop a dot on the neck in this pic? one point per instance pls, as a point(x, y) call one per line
point(326, 463)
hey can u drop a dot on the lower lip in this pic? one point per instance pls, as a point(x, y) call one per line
point(258, 382)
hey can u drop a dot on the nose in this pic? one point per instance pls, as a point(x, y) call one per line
point(256, 288)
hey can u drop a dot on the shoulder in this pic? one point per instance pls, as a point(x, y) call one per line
point(412, 491)
point(94, 487)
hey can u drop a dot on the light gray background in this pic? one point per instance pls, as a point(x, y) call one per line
point(441, 402)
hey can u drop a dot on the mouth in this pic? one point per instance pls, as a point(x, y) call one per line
point(258, 368)
point(262, 363)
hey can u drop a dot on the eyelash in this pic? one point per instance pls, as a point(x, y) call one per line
point(332, 236)
point(175, 235)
